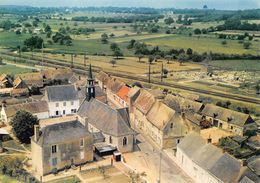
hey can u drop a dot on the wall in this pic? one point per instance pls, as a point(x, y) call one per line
point(37, 164)
point(60, 108)
point(66, 152)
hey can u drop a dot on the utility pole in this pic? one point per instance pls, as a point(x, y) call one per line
point(85, 60)
point(149, 74)
point(72, 59)
point(20, 54)
point(162, 73)
point(42, 55)
point(160, 168)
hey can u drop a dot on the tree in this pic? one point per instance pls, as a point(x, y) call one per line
point(246, 45)
point(150, 59)
point(224, 42)
point(113, 62)
point(35, 90)
point(47, 28)
point(168, 21)
point(102, 170)
point(136, 177)
point(18, 32)
point(140, 56)
point(117, 53)
point(112, 35)
point(189, 51)
point(23, 125)
point(168, 58)
point(104, 38)
point(257, 87)
point(34, 42)
point(114, 46)
point(197, 31)
point(182, 58)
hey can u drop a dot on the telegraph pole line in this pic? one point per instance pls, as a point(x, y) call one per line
point(162, 73)
point(72, 59)
point(42, 55)
point(149, 74)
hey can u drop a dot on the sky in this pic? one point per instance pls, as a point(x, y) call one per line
point(217, 4)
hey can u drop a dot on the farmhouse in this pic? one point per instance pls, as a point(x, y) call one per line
point(62, 100)
point(164, 126)
point(102, 80)
point(121, 96)
point(39, 109)
point(5, 81)
point(20, 88)
point(226, 119)
point(60, 145)
point(32, 79)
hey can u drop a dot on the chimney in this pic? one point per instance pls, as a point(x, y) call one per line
point(36, 132)
point(243, 162)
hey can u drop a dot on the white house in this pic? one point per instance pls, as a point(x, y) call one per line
point(62, 100)
point(39, 109)
point(205, 163)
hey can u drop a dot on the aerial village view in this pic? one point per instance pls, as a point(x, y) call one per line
point(140, 91)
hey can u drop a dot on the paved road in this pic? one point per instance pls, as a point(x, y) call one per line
point(148, 160)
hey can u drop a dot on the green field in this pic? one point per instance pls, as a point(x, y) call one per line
point(241, 65)
point(6, 179)
point(13, 70)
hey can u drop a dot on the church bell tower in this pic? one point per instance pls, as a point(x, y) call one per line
point(90, 85)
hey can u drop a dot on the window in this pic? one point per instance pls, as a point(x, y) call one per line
point(71, 103)
point(53, 149)
point(57, 104)
point(231, 127)
point(54, 161)
point(220, 125)
point(171, 125)
point(64, 112)
point(64, 103)
point(110, 140)
point(124, 141)
point(81, 142)
point(82, 155)
point(57, 113)
point(178, 141)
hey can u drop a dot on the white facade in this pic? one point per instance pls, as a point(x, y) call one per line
point(198, 174)
point(62, 108)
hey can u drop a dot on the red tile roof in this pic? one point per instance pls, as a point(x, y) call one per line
point(123, 92)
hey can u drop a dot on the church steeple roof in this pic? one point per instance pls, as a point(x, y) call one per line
point(90, 75)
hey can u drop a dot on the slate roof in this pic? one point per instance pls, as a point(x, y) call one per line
point(62, 93)
point(246, 180)
point(32, 107)
point(144, 101)
point(210, 158)
point(234, 117)
point(160, 115)
point(183, 103)
point(83, 93)
point(110, 121)
point(32, 79)
point(62, 132)
point(103, 77)
point(114, 85)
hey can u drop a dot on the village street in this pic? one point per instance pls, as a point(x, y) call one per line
point(148, 160)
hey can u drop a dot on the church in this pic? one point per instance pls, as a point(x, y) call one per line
point(112, 123)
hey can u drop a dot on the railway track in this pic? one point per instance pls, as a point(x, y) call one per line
point(81, 70)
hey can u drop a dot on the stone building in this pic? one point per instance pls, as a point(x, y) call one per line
point(113, 123)
point(205, 163)
point(226, 119)
point(56, 146)
point(62, 100)
point(39, 109)
point(164, 126)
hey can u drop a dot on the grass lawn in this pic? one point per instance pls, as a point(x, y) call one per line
point(71, 179)
point(13, 70)
point(11, 40)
